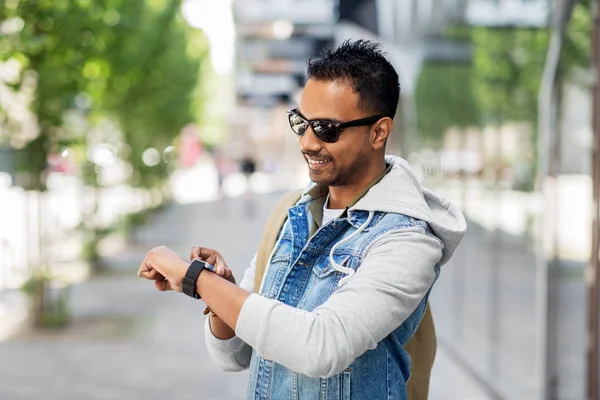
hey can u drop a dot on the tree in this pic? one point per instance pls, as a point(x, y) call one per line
point(507, 65)
point(102, 60)
point(151, 86)
point(444, 99)
point(576, 52)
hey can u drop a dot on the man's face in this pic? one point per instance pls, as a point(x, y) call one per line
point(339, 163)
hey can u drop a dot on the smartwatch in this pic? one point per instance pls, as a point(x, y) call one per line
point(191, 276)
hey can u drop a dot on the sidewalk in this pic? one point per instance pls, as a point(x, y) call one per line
point(484, 306)
point(129, 341)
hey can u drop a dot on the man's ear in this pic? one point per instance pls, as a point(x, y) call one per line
point(381, 131)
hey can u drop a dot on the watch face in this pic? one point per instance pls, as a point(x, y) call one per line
point(210, 267)
point(207, 266)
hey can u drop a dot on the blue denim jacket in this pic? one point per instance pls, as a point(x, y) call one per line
point(301, 275)
point(336, 308)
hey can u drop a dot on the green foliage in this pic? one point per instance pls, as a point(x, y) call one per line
point(130, 61)
point(151, 101)
point(93, 236)
point(136, 219)
point(444, 99)
point(577, 45)
point(120, 72)
point(50, 306)
point(508, 65)
point(501, 83)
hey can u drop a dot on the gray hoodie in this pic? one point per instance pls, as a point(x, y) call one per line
point(395, 275)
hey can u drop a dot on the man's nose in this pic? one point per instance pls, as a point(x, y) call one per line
point(309, 142)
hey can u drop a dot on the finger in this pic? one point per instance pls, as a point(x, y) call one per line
point(211, 256)
point(161, 285)
point(229, 275)
point(147, 273)
point(152, 274)
point(221, 271)
point(195, 253)
point(201, 253)
point(144, 267)
point(206, 253)
point(159, 277)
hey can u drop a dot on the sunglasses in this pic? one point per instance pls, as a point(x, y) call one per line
point(326, 130)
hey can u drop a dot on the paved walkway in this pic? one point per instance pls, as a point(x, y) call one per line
point(128, 341)
point(484, 307)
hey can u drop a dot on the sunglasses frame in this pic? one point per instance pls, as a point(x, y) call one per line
point(335, 126)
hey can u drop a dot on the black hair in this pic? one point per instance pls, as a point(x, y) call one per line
point(363, 65)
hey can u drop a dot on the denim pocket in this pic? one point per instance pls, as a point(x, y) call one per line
point(337, 387)
point(323, 270)
point(275, 274)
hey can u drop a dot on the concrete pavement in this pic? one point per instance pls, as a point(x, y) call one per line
point(484, 305)
point(129, 341)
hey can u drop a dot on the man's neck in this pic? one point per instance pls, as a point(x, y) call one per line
point(341, 196)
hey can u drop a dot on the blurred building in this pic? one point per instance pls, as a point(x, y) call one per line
point(276, 38)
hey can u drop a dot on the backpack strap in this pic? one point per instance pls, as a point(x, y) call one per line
point(271, 232)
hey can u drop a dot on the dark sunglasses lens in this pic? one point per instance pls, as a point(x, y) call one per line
point(298, 124)
point(325, 131)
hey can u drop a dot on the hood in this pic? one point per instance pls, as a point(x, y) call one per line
point(400, 192)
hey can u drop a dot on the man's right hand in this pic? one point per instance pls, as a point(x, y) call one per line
point(214, 258)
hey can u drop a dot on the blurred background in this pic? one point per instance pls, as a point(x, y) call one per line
point(130, 124)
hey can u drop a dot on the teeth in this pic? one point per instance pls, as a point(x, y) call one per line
point(316, 162)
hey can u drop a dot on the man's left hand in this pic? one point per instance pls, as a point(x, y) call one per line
point(165, 267)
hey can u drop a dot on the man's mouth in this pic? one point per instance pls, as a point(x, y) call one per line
point(316, 162)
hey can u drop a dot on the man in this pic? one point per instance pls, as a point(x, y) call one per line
point(348, 280)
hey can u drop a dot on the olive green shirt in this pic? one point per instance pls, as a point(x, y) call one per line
point(319, 194)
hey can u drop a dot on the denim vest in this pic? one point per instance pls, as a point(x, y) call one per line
point(300, 274)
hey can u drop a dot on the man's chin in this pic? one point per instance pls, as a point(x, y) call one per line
point(321, 179)
point(318, 178)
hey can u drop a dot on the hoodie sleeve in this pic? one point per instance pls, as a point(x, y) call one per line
point(231, 354)
point(395, 275)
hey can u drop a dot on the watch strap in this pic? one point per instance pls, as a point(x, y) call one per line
point(188, 283)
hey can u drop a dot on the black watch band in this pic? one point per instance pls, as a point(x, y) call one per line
point(191, 277)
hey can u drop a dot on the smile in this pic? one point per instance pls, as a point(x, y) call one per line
point(316, 163)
